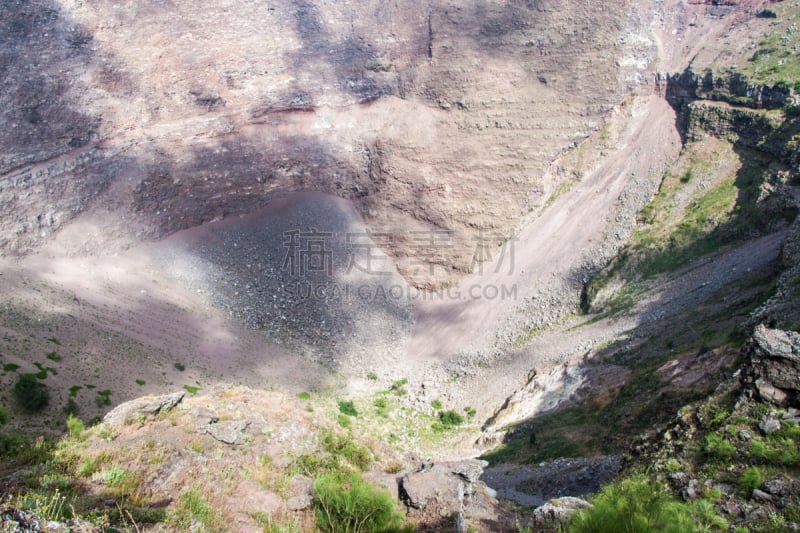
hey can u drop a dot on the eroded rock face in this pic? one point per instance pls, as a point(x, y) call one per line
point(147, 119)
point(772, 366)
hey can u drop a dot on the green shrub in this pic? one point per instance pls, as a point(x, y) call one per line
point(180, 367)
point(10, 367)
point(53, 356)
point(91, 464)
point(638, 505)
point(75, 427)
point(436, 404)
point(103, 398)
point(344, 447)
point(71, 407)
point(5, 416)
point(348, 504)
point(347, 408)
point(191, 389)
point(31, 394)
point(716, 446)
point(751, 479)
point(12, 444)
point(381, 405)
point(450, 418)
point(304, 396)
point(470, 411)
point(398, 387)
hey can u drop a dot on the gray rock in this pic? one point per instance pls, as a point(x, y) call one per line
point(769, 425)
point(470, 469)
point(745, 435)
point(204, 416)
point(299, 503)
point(426, 487)
point(772, 366)
point(776, 487)
point(691, 491)
point(231, 432)
point(249, 496)
point(146, 407)
point(301, 486)
point(446, 488)
point(559, 510)
point(761, 496)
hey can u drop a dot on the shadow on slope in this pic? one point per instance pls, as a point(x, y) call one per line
point(663, 364)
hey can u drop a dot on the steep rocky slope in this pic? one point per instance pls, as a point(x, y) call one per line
point(430, 117)
point(604, 195)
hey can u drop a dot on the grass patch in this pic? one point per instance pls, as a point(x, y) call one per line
point(347, 408)
point(10, 367)
point(73, 391)
point(381, 407)
point(193, 509)
point(399, 387)
point(337, 454)
point(5, 416)
point(304, 396)
point(349, 504)
point(191, 389)
point(561, 189)
point(53, 356)
point(44, 370)
point(344, 421)
point(103, 398)
point(637, 504)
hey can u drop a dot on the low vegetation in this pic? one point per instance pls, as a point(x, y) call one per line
point(641, 505)
point(345, 503)
point(31, 394)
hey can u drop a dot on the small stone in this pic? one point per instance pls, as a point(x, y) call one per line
point(299, 503)
point(761, 496)
point(691, 491)
point(745, 435)
point(776, 487)
point(769, 425)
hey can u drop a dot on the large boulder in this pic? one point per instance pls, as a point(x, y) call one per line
point(446, 489)
point(559, 510)
point(142, 408)
point(771, 369)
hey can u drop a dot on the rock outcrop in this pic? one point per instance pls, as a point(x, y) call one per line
point(772, 366)
point(444, 489)
point(731, 87)
point(142, 408)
